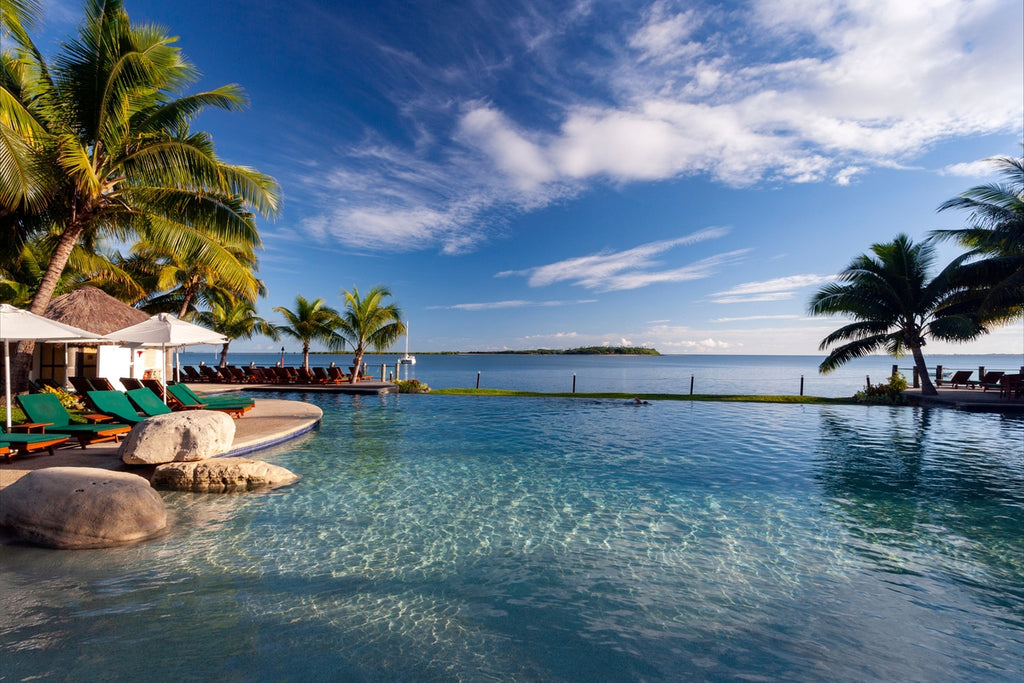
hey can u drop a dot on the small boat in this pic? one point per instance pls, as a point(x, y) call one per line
point(407, 359)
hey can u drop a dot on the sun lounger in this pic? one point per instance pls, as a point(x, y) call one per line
point(116, 405)
point(210, 374)
point(192, 375)
point(131, 383)
point(148, 403)
point(45, 411)
point(321, 375)
point(959, 377)
point(989, 381)
point(82, 385)
point(336, 375)
point(28, 443)
point(234, 406)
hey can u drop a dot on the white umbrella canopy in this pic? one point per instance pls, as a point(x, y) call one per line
point(17, 324)
point(165, 330)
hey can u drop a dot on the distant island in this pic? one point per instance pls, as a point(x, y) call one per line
point(582, 351)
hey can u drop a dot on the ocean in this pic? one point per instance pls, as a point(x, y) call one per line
point(666, 374)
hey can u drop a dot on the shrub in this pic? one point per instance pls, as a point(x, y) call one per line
point(411, 386)
point(890, 393)
point(68, 400)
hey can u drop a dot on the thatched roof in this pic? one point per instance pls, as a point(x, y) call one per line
point(93, 310)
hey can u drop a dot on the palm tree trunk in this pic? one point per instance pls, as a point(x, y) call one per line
point(223, 356)
point(927, 388)
point(358, 363)
point(22, 362)
point(305, 356)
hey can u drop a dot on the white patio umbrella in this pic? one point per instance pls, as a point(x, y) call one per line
point(17, 324)
point(165, 331)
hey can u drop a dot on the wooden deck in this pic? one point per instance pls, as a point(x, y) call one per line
point(971, 400)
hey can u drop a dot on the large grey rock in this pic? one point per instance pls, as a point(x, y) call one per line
point(178, 437)
point(82, 507)
point(221, 475)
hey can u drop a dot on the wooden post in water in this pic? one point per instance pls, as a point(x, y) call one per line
point(801, 385)
point(895, 370)
point(867, 378)
point(383, 371)
point(574, 382)
point(691, 385)
point(477, 379)
point(981, 372)
point(938, 374)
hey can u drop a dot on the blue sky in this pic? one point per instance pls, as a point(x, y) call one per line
point(557, 174)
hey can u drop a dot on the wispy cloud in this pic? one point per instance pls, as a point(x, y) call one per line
point(789, 92)
point(749, 318)
point(776, 289)
point(982, 168)
point(629, 269)
point(512, 303)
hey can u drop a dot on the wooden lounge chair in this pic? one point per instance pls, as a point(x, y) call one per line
point(321, 375)
point(236, 406)
point(306, 377)
point(148, 403)
point(989, 381)
point(209, 373)
point(116, 405)
point(959, 377)
point(1011, 386)
point(191, 375)
point(156, 386)
point(82, 385)
point(130, 383)
point(45, 412)
point(336, 375)
point(28, 443)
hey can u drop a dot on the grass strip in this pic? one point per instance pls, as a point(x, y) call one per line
point(725, 398)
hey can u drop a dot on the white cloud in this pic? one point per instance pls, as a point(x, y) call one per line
point(793, 91)
point(629, 269)
point(776, 289)
point(982, 168)
point(748, 318)
point(512, 303)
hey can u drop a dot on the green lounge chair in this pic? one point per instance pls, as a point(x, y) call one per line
point(236, 406)
point(27, 443)
point(45, 410)
point(116, 405)
point(147, 402)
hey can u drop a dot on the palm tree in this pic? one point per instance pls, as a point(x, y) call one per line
point(236, 319)
point(368, 324)
point(311, 321)
point(895, 306)
point(105, 129)
point(995, 238)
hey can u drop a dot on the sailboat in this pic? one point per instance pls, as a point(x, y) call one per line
point(407, 359)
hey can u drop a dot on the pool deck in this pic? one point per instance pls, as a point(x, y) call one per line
point(970, 400)
point(365, 387)
point(270, 422)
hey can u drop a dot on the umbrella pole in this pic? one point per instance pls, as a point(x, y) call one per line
point(7, 383)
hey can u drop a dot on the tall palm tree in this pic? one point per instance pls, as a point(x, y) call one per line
point(995, 238)
point(235, 318)
point(310, 321)
point(368, 323)
point(106, 127)
point(895, 306)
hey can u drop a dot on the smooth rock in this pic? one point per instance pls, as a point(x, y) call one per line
point(221, 475)
point(82, 507)
point(178, 437)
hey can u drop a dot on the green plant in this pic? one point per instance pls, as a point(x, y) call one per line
point(411, 386)
point(67, 399)
point(890, 393)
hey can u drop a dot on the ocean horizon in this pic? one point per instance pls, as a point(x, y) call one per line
point(662, 374)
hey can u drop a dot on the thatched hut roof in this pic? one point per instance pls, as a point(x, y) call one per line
point(93, 310)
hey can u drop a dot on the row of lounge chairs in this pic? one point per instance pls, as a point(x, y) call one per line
point(267, 375)
point(114, 413)
point(1009, 386)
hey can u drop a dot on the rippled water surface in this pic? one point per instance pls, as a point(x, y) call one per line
point(551, 539)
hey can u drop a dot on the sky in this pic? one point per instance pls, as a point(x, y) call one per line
point(678, 175)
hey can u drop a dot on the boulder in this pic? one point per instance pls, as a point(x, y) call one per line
point(178, 437)
point(82, 507)
point(221, 475)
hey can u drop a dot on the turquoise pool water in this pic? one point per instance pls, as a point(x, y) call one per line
point(469, 538)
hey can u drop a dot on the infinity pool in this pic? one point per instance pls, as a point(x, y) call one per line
point(469, 538)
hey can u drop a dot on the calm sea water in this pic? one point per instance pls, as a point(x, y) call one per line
point(475, 538)
point(668, 374)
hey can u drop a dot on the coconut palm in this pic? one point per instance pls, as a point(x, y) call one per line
point(995, 238)
point(895, 306)
point(235, 318)
point(310, 321)
point(104, 132)
point(368, 323)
